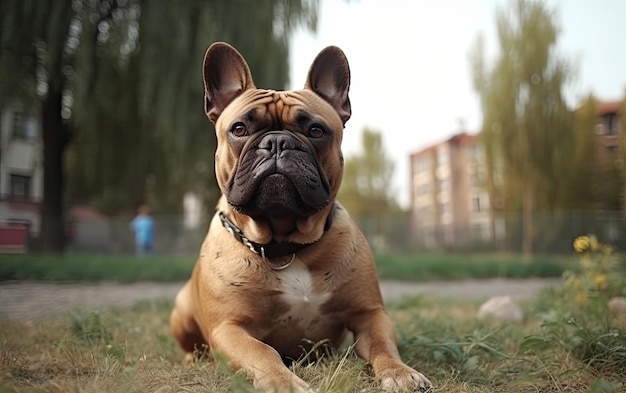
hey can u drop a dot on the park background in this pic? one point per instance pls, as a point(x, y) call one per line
point(518, 103)
point(100, 113)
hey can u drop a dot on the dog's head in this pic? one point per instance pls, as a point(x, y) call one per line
point(278, 161)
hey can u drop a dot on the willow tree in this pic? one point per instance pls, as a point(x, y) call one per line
point(38, 41)
point(127, 75)
point(622, 114)
point(525, 118)
point(150, 91)
point(149, 88)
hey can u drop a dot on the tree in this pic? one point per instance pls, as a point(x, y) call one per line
point(157, 75)
point(150, 90)
point(525, 117)
point(622, 115)
point(366, 191)
point(583, 157)
point(127, 74)
point(37, 51)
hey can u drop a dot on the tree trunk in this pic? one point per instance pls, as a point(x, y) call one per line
point(527, 220)
point(52, 235)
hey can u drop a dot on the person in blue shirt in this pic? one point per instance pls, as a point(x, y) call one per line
point(143, 226)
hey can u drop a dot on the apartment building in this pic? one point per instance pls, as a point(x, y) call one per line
point(608, 129)
point(450, 206)
point(21, 172)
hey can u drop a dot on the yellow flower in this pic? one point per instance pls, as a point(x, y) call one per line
point(600, 280)
point(593, 243)
point(580, 298)
point(586, 264)
point(581, 244)
point(575, 283)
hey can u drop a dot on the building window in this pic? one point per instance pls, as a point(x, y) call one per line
point(476, 204)
point(24, 127)
point(444, 184)
point(445, 213)
point(19, 186)
point(474, 179)
point(422, 164)
point(610, 121)
point(475, 153)
point(443, 156)
point(479, 232)
point(425, 213)
point(423, 189)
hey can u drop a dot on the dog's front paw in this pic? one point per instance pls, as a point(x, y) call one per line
point(288, 383)
point(403, 378)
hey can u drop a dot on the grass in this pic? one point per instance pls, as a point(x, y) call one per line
point(457, 266)
point(560, 347)
point(73, 267)
point(76, 267)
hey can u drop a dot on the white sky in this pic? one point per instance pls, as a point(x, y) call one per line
point(410, 70)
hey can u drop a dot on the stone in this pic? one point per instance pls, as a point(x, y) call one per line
point(618, 305)
point(502, 308)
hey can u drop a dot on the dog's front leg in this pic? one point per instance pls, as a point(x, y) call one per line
point(258, 360)
point(376, 343)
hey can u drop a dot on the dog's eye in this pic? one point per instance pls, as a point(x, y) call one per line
point(316, 132)
point(239, 129)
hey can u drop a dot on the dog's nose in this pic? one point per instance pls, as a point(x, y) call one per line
point(275, 143)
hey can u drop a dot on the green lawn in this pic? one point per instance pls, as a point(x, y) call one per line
point(569, 341)
point(558, 348)
point(75, 267)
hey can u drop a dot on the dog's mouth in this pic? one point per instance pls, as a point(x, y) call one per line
point(274, 202)
point(279, 179)
point(277, 201)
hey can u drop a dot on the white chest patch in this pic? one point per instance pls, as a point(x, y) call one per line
point(297, 288)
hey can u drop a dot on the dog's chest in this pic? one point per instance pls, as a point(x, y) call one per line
point(303, 296)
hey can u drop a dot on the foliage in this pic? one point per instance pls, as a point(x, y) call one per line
point(599, 276)
point(465, 354)
point(125, 269)
point(601, 184)
point(38, 43)
point(599, 344)
point(622, 114)
point(584, 327)
point(149, 88)
point(122, 80)
point(88, 326)
point(583, 186)
point(526, 132)
point(597, 180)
point(366, 190)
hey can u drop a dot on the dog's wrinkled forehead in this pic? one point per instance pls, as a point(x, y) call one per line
point(227, 77)
point(279, 110)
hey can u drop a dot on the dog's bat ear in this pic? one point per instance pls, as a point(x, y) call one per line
point(329, 77)
point(226, 76)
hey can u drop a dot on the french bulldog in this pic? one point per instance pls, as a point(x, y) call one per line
point(283, 265)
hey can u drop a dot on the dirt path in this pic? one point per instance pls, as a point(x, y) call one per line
point(29, 301)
